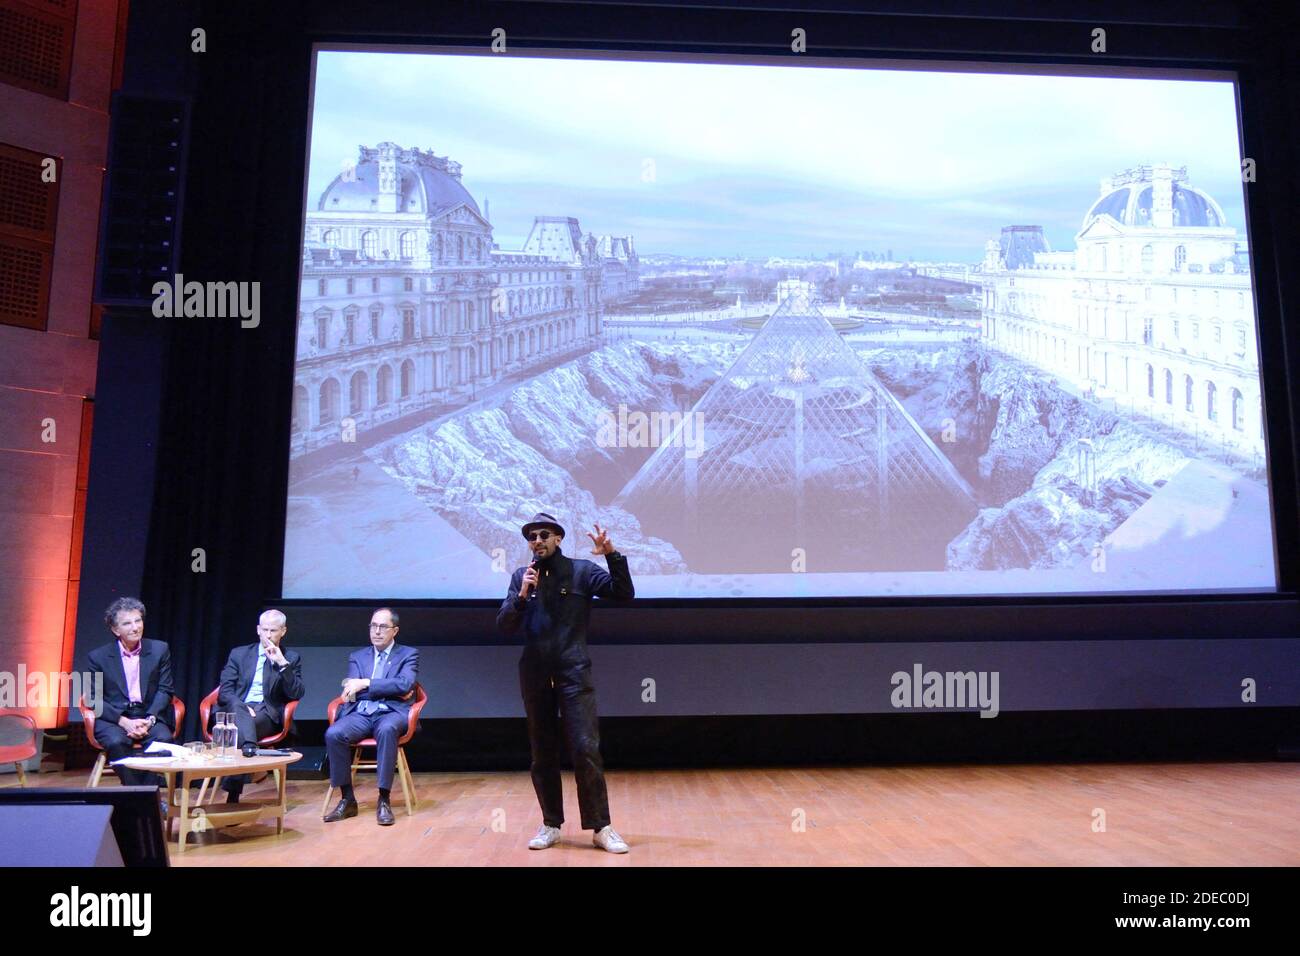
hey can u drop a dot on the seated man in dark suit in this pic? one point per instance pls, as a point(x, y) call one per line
point(256, 684)
point(137, 704)
point(380, 683)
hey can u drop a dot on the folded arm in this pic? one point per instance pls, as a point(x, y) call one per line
point(396, 685)
point(291, 679)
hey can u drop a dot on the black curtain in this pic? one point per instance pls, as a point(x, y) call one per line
point(222, 450)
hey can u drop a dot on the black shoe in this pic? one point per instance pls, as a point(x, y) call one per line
point(344, 809)
point(384, 813)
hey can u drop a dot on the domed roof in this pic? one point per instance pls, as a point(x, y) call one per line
point(428, 185)
point(1129, 203)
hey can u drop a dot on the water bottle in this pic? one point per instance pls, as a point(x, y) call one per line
point(224, 736)
point(232, 735)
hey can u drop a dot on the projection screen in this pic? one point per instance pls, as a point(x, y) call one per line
point(814, 330)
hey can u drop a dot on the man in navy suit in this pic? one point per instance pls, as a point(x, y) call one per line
point(256, 684)
point(137, 704)
point(377, 693)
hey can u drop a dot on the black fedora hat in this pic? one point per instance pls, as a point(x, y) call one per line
point(542, 520)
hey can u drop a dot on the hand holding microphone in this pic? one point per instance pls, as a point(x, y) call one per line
point(528, 588)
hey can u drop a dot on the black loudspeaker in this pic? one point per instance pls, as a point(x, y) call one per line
point(77, 835)
point(139, 235)
point(92, 826)
point(312, 766)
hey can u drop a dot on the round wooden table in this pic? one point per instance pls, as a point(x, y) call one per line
point(200, 818)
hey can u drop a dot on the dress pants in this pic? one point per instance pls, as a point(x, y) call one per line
point(117, 744)
point(558, 690)
point(250, 727)
point(386, 727)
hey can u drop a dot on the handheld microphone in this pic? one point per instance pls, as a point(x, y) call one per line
point(532, 593)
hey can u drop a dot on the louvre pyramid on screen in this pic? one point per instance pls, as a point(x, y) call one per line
point(803, 448)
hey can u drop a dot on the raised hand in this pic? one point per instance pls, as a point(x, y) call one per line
point(600, 540)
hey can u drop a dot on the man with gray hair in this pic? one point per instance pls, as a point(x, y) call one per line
point(137, 704)
point(257, 683)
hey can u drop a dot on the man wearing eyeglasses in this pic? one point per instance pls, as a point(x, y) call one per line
point(377, 701)
point(550, 601)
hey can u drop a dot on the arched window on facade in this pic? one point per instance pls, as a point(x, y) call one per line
point(329, 401)
point(357, 393)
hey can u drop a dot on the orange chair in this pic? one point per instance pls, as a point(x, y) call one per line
point(17, 753)
point(101, 762)
point(205, 713)
point(403, 768)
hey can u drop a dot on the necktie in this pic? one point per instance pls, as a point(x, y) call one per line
point(372, 706)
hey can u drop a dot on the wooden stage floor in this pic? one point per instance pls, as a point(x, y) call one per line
point(1222, 814)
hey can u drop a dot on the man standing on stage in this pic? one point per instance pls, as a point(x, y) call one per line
point(550, 601)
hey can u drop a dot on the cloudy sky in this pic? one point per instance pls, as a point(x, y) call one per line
point(711, 159)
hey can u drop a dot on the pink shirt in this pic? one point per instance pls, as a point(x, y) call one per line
point(131, 664)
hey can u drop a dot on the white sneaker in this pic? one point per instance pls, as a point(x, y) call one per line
point(546, 837)
point(608, 839)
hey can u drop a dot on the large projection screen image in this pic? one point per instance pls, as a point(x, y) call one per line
point(785, 331)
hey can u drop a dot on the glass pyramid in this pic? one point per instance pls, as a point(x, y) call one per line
point(802, 448)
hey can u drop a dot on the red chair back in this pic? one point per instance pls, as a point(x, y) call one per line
point(88, 719)
point(12, 753)
point(418, 699)
point(205, 712)
point(88, 723)
point(209, 702)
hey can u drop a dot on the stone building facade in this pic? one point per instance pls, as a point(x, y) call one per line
point(406, 303)
point(1153, 307)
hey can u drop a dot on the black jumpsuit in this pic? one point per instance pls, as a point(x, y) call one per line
point(555, 674)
